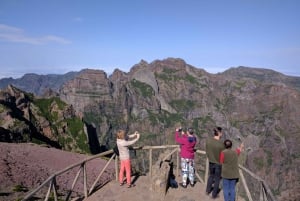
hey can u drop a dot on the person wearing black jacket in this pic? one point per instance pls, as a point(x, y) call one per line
point(214, 146)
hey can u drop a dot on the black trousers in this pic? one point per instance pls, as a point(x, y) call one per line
point(214, 179)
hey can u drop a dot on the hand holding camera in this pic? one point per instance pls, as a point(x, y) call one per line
point(179, 129)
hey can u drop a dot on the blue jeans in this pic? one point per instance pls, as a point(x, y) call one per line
point(214, 179)
point(229, 189)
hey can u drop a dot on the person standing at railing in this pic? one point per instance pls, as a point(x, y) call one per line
point(214, 146)
point(187, 143)
point(123, 142)
point(230, 169)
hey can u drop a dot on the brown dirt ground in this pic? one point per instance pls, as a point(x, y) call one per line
point(143, 192)
point(29, 165)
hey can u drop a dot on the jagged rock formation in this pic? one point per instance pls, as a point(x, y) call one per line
point(24, 118)
point(89, 86)
point(257, 106)
point(161, 172)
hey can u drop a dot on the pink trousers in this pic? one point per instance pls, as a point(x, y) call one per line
point(125, 166)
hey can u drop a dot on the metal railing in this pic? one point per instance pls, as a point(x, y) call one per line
point(265, 192)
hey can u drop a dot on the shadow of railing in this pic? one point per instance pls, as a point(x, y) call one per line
point(265, 192)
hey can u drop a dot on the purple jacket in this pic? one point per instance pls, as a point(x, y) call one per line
point(187, 144)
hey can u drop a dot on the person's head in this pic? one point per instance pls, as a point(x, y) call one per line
point(228, 144)
point(218, 131)
point(190, 131)
point(121, 134)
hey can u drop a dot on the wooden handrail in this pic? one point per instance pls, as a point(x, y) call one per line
point(53, 176)
point(87, 192)
point(263, 183)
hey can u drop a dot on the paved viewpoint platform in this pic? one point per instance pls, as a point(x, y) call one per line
point(112, 191)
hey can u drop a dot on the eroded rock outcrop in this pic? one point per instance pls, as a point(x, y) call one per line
point(257, 106)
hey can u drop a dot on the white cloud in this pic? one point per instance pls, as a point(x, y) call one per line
point(14, 34)
point(51, 38)
point(5, 28)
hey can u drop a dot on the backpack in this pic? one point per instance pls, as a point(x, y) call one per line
point(116, 150)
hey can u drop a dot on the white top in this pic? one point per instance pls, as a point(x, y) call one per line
point(123, 146)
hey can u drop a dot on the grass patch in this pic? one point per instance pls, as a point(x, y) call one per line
point(44, 104)
point(20, 188)
point(165, 118)
point(144, 89)
point(183, 104)
point(259, 163)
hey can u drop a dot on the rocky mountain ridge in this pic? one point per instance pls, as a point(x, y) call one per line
point(257, 106)
point(38, 84)
point(25, 118)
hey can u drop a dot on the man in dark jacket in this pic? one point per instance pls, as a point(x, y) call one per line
point(214, 146)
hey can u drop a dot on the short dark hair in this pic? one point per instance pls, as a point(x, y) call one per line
point(190, 130)
point(228, 144)
point(217, 130)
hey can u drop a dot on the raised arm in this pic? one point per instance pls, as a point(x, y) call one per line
point(240, 148)
point(178, 138)
point(131, 142)
point(133, 135)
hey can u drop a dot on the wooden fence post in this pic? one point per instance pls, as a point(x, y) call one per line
point(54, 189)
point(245, 185)
point(117, 167)
point(206, 171)
point(177, 164)
point(49, 190)
point(85, 181)
point(100, 174)
point(150, 163)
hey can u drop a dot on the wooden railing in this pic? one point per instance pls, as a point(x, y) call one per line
point(51, 181)
point(265, 192)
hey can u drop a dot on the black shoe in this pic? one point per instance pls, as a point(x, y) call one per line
point(192, 184)
point(218, 191)
point(208, 192)
point(216, 196)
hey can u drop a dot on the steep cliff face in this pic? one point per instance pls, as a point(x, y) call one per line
point(89, 86)
point(259, 107)
point(24, 118)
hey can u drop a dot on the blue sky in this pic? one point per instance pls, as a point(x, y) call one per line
point(58, 36)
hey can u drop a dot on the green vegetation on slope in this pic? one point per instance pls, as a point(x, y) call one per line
point(144, 89)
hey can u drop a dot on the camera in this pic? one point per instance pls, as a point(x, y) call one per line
point(180, 130)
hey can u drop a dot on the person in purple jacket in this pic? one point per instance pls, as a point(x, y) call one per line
point(187, 143)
